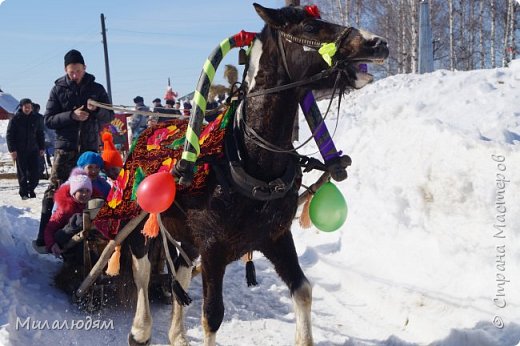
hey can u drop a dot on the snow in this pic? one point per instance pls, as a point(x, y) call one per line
point(431, 239)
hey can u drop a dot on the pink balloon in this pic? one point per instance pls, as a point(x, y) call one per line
point(156, 192)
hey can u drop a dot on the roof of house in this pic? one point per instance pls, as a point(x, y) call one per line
point(8, 102)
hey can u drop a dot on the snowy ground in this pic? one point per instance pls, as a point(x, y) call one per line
point(429, 254)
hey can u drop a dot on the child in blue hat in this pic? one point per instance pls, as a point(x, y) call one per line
point(92, 163)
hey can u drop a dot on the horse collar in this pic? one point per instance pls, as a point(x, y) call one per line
point(246, 184)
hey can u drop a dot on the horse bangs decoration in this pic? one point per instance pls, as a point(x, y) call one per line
point(242, 197)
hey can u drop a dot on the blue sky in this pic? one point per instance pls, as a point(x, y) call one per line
point(148, 41)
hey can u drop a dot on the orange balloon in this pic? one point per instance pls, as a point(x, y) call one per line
point(156, 192)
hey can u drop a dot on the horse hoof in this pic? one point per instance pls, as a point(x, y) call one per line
point(133, 342)
point(180, 341)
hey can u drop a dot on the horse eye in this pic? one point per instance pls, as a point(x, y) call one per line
point(309, 28)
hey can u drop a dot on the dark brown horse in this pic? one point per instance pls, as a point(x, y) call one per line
point(252, 207)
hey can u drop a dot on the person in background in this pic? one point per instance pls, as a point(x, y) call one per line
point(177, 107)
point(50, 137)
point(92, 163)
point(76, 122)
point(41, 160)
point(71, 198)
point(187, 108)
point(111, 157)
point(152, 120)
point(173, 107)
point(138, 121)
point(168, 109)
point(157, 105)
point(25, 142)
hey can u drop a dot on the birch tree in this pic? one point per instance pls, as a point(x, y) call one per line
point(452, 35)
point(493, 33)
point(482, 51)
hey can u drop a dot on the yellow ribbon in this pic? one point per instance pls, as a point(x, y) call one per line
point(327, 51)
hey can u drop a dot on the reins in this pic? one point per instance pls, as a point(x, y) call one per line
point(252, 134)
point(127, 109)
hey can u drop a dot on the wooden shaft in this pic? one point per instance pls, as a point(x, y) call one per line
point(107, 253)
point(314, 187)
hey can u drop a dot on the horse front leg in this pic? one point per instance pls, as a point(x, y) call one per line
point(177, 333)
point(282, 254)
point(141, 331)
point(213, 268)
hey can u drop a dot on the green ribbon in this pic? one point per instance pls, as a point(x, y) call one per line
point(327, 51)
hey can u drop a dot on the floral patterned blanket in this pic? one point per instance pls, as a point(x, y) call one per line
point(157, 149)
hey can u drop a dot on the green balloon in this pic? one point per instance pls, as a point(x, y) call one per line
point(328, 208)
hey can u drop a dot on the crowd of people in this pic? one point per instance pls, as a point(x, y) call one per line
point(66, 139)
point(139, 122)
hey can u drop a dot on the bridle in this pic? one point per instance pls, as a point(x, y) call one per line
point(277, 188)
point(250, 133)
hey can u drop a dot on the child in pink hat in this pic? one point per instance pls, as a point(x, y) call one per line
point(71, 198)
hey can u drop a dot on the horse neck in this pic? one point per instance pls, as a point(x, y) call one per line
point(271, 115)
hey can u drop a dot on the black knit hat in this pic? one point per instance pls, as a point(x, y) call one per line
point(73, 57)
point(25, 101)
point(156, 100)
point(138, 99)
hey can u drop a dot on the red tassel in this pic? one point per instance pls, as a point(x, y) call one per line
point(151, 227)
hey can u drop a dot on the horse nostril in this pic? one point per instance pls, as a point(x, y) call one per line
point(379, 42)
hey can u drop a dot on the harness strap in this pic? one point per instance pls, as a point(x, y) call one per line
point(320, 75)
point(254, 188)
point(174, 242)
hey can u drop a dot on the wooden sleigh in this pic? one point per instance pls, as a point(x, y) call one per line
point(95, 282)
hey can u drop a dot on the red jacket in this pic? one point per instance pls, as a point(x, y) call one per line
point(67, 206)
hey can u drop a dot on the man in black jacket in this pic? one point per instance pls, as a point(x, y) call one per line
point(25, 142)
point(76, 122)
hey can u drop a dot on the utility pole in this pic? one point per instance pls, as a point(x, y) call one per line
point(105, 49)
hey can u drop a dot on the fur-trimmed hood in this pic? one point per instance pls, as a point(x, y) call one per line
point(66, 202)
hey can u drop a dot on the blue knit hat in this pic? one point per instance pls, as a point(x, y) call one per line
point(88, 158)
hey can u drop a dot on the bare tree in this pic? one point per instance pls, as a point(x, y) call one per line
point(505, 55)
point(414, 27)
point(481, 34)
point(452, 35)
point(467, 34)
point(493, 33)
point(471, 21)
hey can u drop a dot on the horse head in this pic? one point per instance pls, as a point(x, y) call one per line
point(311, 45)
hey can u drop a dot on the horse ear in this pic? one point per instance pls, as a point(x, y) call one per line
point(270, 16)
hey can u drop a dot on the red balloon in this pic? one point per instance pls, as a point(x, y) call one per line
point(156, 192)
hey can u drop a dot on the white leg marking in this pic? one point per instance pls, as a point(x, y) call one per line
point(142, 324)
point(302, 301)
point(210, 338)
point(177, 333)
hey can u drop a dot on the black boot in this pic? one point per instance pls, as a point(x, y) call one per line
point(47, 205)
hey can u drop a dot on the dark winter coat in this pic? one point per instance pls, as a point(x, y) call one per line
point(138, 121)
point(25, 133)
point(65, 97)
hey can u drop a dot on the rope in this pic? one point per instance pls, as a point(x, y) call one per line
point(168, 236)
point(128, 109)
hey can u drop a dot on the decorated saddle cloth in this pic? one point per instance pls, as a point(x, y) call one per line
point(157, 149)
